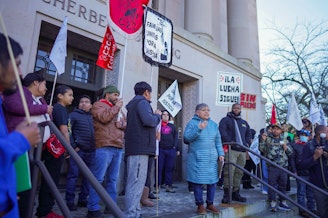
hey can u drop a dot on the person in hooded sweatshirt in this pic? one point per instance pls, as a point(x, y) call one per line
point(140, 143)
point(235, 129)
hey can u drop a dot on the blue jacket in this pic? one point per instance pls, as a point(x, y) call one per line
point(82, 135)
point(11, 147)
point(140, 132)
point(227, 130)
point(314, 166)
point(204, 149)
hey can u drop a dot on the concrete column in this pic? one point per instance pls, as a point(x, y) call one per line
point(198, 18)
point(220, 27)
point(239, 37)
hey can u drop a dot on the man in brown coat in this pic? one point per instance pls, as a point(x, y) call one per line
point(109, 124)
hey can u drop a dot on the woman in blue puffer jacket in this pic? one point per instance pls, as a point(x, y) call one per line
point(205, 149)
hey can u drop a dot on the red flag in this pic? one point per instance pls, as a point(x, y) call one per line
point(127, 15)
point(107, 51)
point(273, 115)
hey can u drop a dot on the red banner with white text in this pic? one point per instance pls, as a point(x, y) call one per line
point(107, 51)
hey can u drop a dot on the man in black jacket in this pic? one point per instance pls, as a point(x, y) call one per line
point(82, 140)
point(234, 129)
point(140, 143)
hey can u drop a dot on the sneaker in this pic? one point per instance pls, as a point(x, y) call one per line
point(71, 206)
point(169, 189)
point(304, 214)
point(107, 211)
point(94, 214)
point(52, 215)
point(212, 209)
point(82, 203)
point(284, 206)
point(264, 192)
point(201, 209)
point(273, 206)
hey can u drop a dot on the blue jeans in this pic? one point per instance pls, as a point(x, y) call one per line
point(107, 166)
point(198, 193)
point(305, 192)
point(166, 161)
point(264, 175)
point(73, 174)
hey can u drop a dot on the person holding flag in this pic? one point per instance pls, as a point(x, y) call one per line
point(21, 139)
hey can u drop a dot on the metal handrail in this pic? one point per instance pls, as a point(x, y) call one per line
point(83, 169)
point(265, 183)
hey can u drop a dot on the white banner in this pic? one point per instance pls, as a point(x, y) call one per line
point(157, 39)
point(171, 99)
point(229, 88)
point(58, 52)
point(293, 114)
point(314, 116)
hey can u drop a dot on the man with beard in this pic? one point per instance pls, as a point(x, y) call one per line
point(109, 124)
point(19, 141)
point(234, 129)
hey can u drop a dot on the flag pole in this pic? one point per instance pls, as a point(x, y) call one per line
point(53, 88)
point(13, 62)
point(124, 60)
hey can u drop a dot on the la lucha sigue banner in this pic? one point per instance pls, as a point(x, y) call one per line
point(229, 86)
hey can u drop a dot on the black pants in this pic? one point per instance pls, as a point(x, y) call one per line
point(46, 200)
point(250, 166)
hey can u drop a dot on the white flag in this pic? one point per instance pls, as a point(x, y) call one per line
point(293, 114)
point(58, 52)
point(314, 116)
point(323, 120)
point(171, 99)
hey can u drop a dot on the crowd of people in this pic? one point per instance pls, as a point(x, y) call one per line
point(99, 132)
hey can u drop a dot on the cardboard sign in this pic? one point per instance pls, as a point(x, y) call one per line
point(248, 101)
point(229, 86)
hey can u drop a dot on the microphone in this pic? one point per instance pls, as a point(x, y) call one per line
point(322, 139)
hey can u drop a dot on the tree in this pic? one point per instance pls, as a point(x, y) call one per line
point(298, 63)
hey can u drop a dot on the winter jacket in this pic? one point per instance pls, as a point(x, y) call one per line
point(140, 133)
point(227, 131)
point(296, 159)
point(14, 110)
point(273, 150)
point(204, 149)
point(12, 146)
point(109, 131)
point(318, 173)
point(169, 137)
point(82, 131)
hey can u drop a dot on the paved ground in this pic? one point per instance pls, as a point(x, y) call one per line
point(180, 204)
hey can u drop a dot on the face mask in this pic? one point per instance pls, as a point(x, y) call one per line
point(304, 138)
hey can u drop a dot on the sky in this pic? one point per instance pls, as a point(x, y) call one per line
point(286, 13)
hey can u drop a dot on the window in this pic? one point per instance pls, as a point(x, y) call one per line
point(83, 69)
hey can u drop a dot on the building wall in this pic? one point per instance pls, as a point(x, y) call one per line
point(199, 51)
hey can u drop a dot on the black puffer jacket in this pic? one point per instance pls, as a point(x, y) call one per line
point(82, 131)
point(296, 159)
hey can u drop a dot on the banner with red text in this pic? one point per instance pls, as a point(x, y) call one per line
point(126, 16)
point(107, 51)
point(248, 101)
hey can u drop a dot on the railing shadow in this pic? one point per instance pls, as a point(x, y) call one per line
point(38, 166)
point(265, 183)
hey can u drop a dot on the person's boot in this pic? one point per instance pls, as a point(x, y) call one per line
point(245, 184)
point(237, 197)
point(144, 198)
point(201, 209)
point(225, 198)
